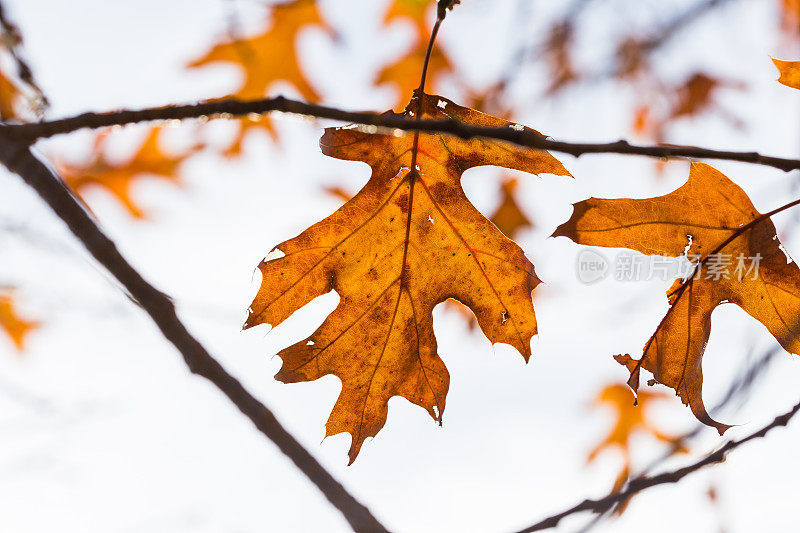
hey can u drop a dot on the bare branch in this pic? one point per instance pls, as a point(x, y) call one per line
point(641, 483)
point(229, 108)
point(17, 156)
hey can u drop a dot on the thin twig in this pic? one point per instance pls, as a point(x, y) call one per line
point(229, 108)
point(641, 483)
point(17, 156)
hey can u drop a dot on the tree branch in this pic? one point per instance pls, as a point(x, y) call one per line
point(17, 156)
point(643, 482)
point(228, 108)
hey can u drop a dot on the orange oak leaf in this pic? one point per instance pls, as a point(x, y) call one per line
point(409, 240)
point(630, 419)
point(508, 217)
point(268, 58)
point(696, 94)
point(119, 177)
point(404, 74)
point(750, 269)
point(789, 72)
point(413, 10)
point(15, 326)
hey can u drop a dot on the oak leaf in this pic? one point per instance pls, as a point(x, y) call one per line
point(414, 11)
point(268, 58)
point(696, 94)
point(630, 418)
point(118, 177)
point(718, 222)
point(509, 217)
point(407, 241)
point(13, 324)
point(404, 73)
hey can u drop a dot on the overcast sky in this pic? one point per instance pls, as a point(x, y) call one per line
point(103, 429)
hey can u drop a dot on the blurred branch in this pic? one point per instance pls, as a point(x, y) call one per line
point(12, 38)
point(17, 156)
point(736, 390)
point(673, 27)
point(633, 53)
point(643, 482)
point(229, 108)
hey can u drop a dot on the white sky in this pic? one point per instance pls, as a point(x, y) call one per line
point(103, 429)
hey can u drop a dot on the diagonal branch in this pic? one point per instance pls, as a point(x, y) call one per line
point(17, 156)
point(229, 108)
point(643, 482)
